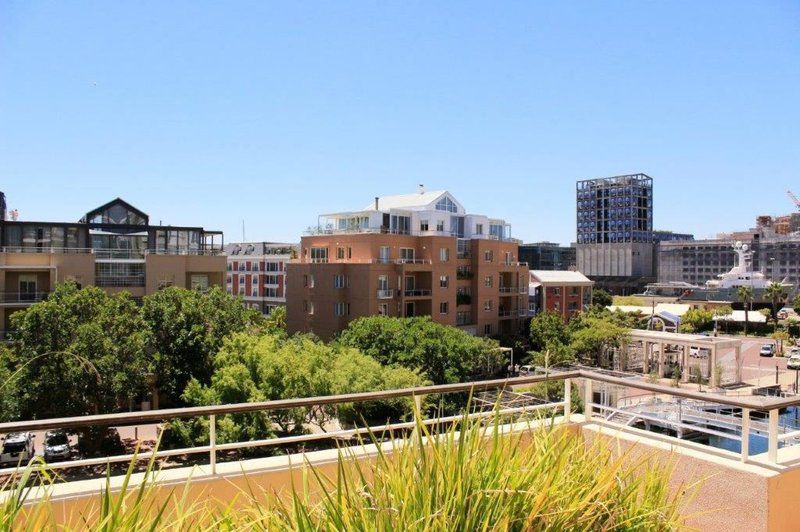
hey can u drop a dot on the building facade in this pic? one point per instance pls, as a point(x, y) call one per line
point(615, 232)
point(408, 255)
point(547, 256)
point(257, 273)
point(113, 247)
point(695, 262)
point(563, 292)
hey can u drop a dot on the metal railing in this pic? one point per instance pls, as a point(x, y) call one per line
point(421, 292)
point(593, 413)
point(385, 294)
point(119, 280)
point(413, 261)
point(112, 253)
point(513, 289)
point(22, 297)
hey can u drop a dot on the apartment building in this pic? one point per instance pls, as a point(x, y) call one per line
point(257, 273)
point(113, 247)
point(415, 254)
point(563, 292)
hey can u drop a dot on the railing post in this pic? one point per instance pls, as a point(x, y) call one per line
point(745, 434)
point(772, 447)
point(567, 399)
point(212, 442)
point(587, 399)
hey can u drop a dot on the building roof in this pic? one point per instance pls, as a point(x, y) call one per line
point(676, 309)
point(738, 316)
point(560, 276)
point(405, 201)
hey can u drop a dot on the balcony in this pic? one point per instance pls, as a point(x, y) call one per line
point(739, 490)
point(507, 314)
point(513, 289)
point(412, 261)
point(464, 274)
point(463, 299)
point(420, 292)
point(464, 318)
point(385, 294)
point(111, 254)
point(22, 298)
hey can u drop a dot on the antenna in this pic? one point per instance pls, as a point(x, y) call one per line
point(794, 199)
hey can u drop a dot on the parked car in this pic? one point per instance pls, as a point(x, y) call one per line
point(794, 362)
point(767, 350)
point(56, 446)
point(699, 352)
point(17, 449)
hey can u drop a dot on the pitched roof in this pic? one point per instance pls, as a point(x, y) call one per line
point(560, 276)
point(404, 201)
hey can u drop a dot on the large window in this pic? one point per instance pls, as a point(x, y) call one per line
point(319, 254)
point(119, 274)
point(446, 204)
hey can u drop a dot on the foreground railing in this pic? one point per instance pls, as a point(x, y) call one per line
point(594, 412)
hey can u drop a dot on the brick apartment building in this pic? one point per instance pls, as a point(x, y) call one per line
point(257, 273)
point(564, 292)
point(408, 255)
point(113, 247)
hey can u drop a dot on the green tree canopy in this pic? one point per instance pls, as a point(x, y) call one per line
point(254, 368)
point(186, 329)
point(443, 354)
point(79, 352)
point(601, 298)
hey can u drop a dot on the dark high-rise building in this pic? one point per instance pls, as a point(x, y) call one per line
point(615, 232)
point(547, 256)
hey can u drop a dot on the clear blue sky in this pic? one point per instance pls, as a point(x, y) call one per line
point(208, 113)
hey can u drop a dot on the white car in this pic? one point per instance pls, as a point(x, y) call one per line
point(17, 449)
point(526, 370)
point(794, 362)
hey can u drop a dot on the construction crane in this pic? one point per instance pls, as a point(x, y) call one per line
point(794, 199)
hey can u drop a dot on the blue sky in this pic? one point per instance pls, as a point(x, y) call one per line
point(208, 114)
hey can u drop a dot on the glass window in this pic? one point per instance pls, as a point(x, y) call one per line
point(488, 281)
point(319, 254)
point(443, 281)
point(446, 204)
point(423, 225)
point(443, 307)
point(444, 254)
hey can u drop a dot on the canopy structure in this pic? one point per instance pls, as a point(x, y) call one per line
point(706, 349)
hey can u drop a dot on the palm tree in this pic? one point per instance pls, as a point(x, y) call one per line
point(776, 293)
point(745, 294)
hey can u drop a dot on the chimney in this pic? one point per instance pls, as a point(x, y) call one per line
point(421, 188)
point(376, 203)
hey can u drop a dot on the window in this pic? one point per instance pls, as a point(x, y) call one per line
point(349, 253)
point(229, 279)
point(488, 255)
point(557, 291)
point(443, 307)
point(319, 254)
point(311, 280)
point(574, 290)
point(440, 226)
point(341, 309)
point(383, 309)
point(487, 329)
point(557, 306)
point(443, 281)
point(444, 254)
point(270, 279)
point(423, 225)
point(384, 254)
point(407, 254)
point(339, 281)
point(339, 253)
point(308, 306)
point(509, 257)
point(254, 290)
point(271, 292)
point(241, 280)
point(383, 282)
point(255, 266)
point(478, 229)
point(488, 281)
point(487, 305)
point(272, 267)
point(446, 204)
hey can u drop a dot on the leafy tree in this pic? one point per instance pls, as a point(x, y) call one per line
point(601, 298)
point(186, 329)
point(720, 313)
point(796, 303)
point(697, 319)
point(79, 352)
point(548, 330)
point(594, 335)
point(254, 368)
point(746, 296)
point(776, 293)
point(442, 354)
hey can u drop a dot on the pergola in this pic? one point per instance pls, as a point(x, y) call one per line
point(656, 359)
